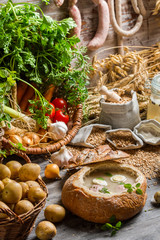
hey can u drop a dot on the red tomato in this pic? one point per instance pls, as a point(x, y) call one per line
point(52, 113)
point(60, 116)
point(60, 103)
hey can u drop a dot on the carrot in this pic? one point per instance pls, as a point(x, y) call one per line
point(49, 93)
point(21, 88)
point(29, 93)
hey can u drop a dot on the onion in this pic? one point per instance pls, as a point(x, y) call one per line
point(15, 139)
point(34, 137)
point(42, 132)
point(26, 141)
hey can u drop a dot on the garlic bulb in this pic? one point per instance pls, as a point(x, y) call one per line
point(62, 157)
point(57, 130)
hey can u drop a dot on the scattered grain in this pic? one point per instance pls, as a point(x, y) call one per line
point(146, 159)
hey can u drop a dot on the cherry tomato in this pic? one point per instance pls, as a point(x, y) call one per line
point(60, 103)
point(61, 116)
point(52, 113)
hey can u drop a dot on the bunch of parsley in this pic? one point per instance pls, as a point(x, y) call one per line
point(41, 50)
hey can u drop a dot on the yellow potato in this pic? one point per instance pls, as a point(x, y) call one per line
point(25, 189)
point(54, 213)
point(29, 171)
point(1, 186)
point(36, 194)
point(4, 171)
point(32, 184)
point(6, 181)
point(14, 167)
point(12, 192)
point(23, 206)
point(45, 230)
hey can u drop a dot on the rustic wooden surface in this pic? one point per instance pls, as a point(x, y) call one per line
point(145, 225)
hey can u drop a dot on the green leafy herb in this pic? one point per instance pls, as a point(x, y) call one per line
point(39, 49)
point(3, 153)
point(138, 185)
point(139, 191)
point(18, 146)
point(108, 174)
point(110, 226)
point(130, 188)
point(121, 183)
point(100, 178)
point(46, 1)
point(104, 190)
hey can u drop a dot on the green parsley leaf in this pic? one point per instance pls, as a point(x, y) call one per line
point(104, 190)
point(139, 191)
point(100, 178)
point(138, 185)
point(127, 185)
point(108, 174)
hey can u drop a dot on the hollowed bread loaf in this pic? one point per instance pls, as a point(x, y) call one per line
point(97, 206)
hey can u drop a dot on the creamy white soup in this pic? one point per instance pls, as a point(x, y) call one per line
point(109, 182)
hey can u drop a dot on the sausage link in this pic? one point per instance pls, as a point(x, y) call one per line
point(119, 22)
point(119, 30)
point(75, 14)
point(103, 26)
point(142, 8)
point(58, 3)
point(135, 6)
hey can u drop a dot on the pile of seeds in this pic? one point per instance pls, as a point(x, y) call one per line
point(97, 137)
point(146, 159)
point(122, 138)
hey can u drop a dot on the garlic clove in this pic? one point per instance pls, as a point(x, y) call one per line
point(57, 131)
point(62, 157)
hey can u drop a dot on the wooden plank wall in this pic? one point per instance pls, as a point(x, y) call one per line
point(147, 35)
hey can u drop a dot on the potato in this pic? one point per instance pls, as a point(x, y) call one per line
point(32, 184)
point(23, 206)
point(36, 194)
point(1, 186)
point(14, 167)
point(3, 205)
point(4, 171)
point(25, 189)
point(54, 213)
point(45, 230)
point(12, 192)
point(6, 181)
point(29, 171)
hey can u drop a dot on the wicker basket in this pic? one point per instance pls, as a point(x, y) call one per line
point(77, 120)
point(19, 227)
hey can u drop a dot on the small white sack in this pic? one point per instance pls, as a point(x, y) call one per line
point(81, 137)
point(148, 131)
point(120, 115)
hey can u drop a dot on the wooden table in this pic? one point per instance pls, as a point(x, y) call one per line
point(145, 225)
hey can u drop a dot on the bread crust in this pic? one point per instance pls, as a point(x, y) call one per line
point(99, 207)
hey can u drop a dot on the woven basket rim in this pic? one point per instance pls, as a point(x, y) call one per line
point(78, 114)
